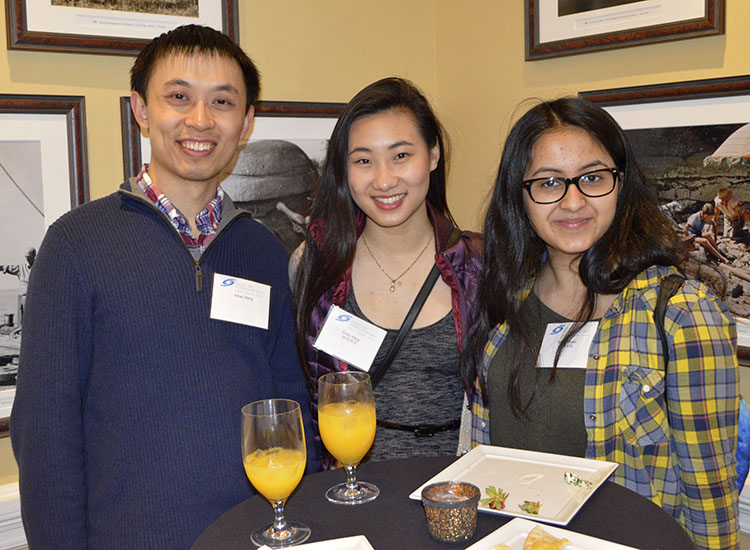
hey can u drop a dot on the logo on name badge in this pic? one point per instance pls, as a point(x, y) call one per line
point(228, 282)
point(343, 318)
point(557, 329)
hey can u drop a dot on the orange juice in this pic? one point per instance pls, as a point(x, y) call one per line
point(275, 472)
point(347, 429)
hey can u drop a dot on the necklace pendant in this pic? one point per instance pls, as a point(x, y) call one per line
point(393, 287)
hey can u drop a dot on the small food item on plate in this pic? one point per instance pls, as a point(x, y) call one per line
point(495, 498)
point(539, 539)
point(501, 547)
point(574, 481)
point(530, 506)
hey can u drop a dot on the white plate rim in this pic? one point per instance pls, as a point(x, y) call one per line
point(523, 526)
point(356, 542)
point(453, 472)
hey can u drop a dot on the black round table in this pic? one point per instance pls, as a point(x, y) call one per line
point(393, 521)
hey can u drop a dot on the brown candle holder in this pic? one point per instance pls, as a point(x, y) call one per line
point(451, 510)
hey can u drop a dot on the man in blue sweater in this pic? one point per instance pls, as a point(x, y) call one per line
point(153, 316)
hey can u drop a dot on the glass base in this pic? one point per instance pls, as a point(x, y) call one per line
point(363, 492)
point(295, 533)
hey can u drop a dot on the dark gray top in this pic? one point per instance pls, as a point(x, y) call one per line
point(422, 386)
point(554, 420)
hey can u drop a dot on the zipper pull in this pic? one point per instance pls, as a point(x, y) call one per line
point(198, 278)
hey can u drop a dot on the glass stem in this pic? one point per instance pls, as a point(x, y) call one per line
point(351, 478)
point(279, 522)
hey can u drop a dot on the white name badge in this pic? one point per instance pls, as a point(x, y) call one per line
point(349, 338)
point(240, 301)
point(575, 354)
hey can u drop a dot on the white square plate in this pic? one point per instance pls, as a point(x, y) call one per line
point(358, 542)
point(514, 534)
point(527, 475)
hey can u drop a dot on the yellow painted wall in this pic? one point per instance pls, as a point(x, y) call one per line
point(8, 468)
point(467, 56)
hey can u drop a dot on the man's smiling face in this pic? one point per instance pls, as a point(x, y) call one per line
point(194, 113)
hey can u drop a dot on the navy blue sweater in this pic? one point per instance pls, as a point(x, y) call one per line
point(126, 422)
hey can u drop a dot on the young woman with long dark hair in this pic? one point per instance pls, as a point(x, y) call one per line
point(574, 235)
point(380, 222)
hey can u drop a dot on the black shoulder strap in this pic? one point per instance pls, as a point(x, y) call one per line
point(376, 375)
point(667, 288)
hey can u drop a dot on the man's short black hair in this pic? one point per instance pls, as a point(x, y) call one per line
point(189, 39)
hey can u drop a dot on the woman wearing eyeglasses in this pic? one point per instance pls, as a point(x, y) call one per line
point(571, 361)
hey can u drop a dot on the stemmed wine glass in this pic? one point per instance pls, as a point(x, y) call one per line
point(346, 418)
point(274, 454)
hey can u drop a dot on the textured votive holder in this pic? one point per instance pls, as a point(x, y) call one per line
point(451, 510)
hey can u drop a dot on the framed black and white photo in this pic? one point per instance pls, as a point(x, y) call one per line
point(692, 140)
point(43, 174)
point(118, 27)
point(565, 27)
point(275, 172)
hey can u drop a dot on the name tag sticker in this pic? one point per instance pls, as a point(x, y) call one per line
point(240, 301)
point(349, 338)
point(575, 354)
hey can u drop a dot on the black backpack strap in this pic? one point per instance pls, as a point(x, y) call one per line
point(667, 288)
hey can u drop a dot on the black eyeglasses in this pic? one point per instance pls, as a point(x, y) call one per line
point(592, 184)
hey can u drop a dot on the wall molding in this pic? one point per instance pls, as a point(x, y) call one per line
point(12, 536)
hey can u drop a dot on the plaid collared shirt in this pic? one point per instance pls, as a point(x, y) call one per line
point(674, 435)
point(207, 220)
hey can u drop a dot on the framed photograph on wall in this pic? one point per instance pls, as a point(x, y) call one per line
point(692, 140)
point(117, 27)
point(43, 174)
point(275, 172)
point(566, 27)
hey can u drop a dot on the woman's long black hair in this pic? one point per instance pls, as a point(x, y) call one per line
point(331, 240)
point(640, 234)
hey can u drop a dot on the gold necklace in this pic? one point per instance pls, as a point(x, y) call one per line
point(393, 281)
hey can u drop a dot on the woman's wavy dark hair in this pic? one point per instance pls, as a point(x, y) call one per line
point(640, 234)
point(329, 252)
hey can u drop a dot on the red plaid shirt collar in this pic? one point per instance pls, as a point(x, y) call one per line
point(207, 219)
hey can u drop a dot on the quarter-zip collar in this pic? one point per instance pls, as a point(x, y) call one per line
point(131, 190)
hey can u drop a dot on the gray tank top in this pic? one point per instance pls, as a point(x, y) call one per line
point(422, 386)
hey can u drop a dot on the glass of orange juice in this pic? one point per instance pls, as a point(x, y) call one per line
point(274, 454)
point(346, 418)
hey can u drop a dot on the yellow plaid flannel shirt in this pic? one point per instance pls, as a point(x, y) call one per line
point(674, 434)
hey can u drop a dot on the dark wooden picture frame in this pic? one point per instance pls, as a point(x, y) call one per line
point(711, 23)
point(20, 37)
point(674, 91)
point(672, 95)
point(73, 112)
